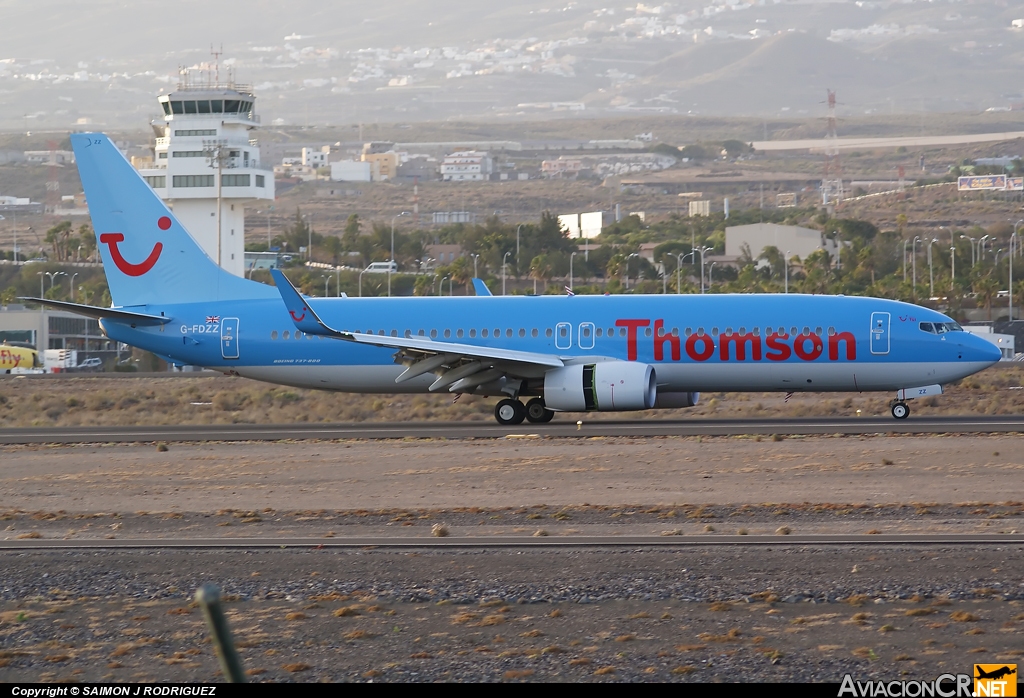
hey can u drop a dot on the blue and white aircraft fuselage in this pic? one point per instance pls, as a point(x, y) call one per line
point(577, 353)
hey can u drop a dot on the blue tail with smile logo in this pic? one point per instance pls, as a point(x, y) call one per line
point(148, 257)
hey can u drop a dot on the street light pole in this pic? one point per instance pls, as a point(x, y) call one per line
point(931, 274)
point(570, 268)
point(440, 289)
point(504, 271)
point(968, 237)
point(629, 257)
point(702, 250)
point(391, 262)
point(711, 269)
point(327, 284)
point(76, 274)
point(914, 260)
point(361, 282)
point(475, 258)
point(785, 266)
point(679, 262)
point(952, 264)
point(517, 249)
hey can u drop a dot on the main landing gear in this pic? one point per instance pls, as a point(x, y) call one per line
point(899, 409)
point(509, 412)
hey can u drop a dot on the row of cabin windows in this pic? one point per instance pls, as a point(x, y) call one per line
point(563, 332)
point(207, 106)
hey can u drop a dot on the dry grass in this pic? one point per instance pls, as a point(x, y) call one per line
point(439, 530)
point(347, 611)
point(513, 674)
point(357, 635)
point(296, 615)
point(732, 636)
point(493, 619)
point(684, 670)
point(920, 612)
point(604, 671)
point(532, 633)
point(579, 661)
point(721, 606)
point(963, 617)
point(32, 535)
point(296, 667)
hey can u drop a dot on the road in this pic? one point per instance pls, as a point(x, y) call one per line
point(498, 542)
point(895, 142)
point(484, 430)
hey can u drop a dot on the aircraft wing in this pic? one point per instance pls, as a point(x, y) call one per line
point(93, 311)
point(464, 365)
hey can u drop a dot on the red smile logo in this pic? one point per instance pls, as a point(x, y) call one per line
point(126, 267)
point(299, 318)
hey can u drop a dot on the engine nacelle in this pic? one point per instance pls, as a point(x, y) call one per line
point(676, 400)
point(609, 386)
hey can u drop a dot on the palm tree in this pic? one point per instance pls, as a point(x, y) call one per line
point(540, 270)
point(986, 289)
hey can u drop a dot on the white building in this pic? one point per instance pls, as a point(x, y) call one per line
point(316, 158)
point(787, 238)
point(206, 155)
point(467, 166)
point(351, 171)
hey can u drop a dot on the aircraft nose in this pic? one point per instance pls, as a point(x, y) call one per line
point(980, 350)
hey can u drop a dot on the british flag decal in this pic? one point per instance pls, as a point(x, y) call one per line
point(212, 319)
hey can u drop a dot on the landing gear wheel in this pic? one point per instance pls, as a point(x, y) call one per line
point(509, 412)
point(900, 410)
point(537, 413)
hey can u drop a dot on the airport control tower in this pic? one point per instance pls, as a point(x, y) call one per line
point(206, 164)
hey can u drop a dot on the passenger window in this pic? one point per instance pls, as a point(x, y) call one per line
point(286, 334)
point(380, 332)
point(547, 332)
point(408, 334)
point(522, 332)
point(483, 332)
point(714, 331)
point(647, 332)
point(792, 331)
point(728, 330)
point(831, 331)
point(447, 334)
point(757, 331)
point(807, 330)
point(508, 332)
point(675, 331)
point(459, 333)
point(817, 331)
point(433, 334)
point(661, 331)
point(394, 333)
point(599, 332)
point(420, 333)
point(497, 333)
point(562, 331)
point(533, 332)
point(622, 331)
point(611, 332)
point(273, 335)
point(298, 335)
point(689, 331)
point(586, 331)
point(472, 332)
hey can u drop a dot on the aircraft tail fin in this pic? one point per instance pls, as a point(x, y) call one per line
point(148, 256)
point(480, 288)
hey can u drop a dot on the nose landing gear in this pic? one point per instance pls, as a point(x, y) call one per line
point(900, 410)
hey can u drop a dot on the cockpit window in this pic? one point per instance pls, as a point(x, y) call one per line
point(940, 327)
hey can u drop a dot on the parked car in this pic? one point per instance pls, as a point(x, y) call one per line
point(382, 267)
point(91, 364)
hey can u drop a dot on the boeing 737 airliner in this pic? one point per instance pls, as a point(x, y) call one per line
point(562, 353)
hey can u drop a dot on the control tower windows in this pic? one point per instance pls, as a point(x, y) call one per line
point(231, 106)
point(190, 106)
point(204, 106)
point(217, 106)
point(166, 106)
point(176, 108)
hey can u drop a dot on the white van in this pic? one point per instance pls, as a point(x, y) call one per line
point(382, 268)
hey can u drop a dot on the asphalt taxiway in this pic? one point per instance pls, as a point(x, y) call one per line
point(477, 430)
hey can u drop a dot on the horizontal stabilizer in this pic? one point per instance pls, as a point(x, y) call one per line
point(118, 314)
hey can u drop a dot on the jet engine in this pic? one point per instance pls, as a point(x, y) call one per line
point(676, 400)
point(609, 386)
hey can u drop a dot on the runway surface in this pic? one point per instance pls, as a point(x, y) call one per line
point(478, 430)
point(496, 542)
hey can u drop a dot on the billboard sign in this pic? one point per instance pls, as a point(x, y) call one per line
point(982, 182)
point(1015, 184)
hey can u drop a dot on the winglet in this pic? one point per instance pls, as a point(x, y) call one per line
point(480, 288)
point(302, 315)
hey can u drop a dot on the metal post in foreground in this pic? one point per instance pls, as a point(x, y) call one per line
point(208, 598)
